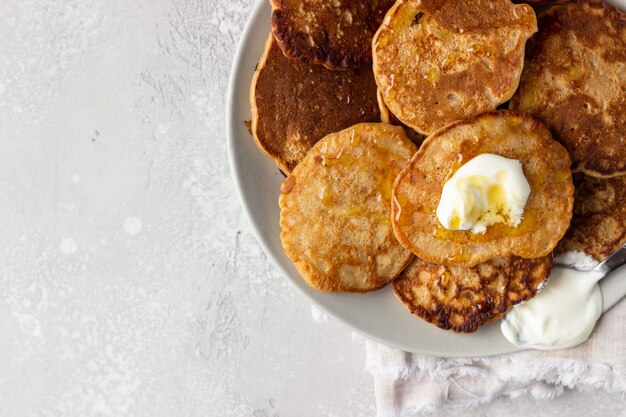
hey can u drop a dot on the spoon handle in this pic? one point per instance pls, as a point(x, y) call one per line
point(614, 261)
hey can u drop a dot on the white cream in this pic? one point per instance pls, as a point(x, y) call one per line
point(562, 315)
point(488, 189)
point(576, 259)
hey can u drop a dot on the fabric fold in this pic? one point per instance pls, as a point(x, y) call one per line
point(409, 384)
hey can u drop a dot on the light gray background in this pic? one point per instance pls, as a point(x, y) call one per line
point(130, 283)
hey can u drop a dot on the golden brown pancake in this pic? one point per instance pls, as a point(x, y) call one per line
point(598, 226)
point(463, 299)
point(574, 80)
point(387, 117)
point(334, 33)
point(294, 104)
point(417, 191)
point(437, 61)
point(335, 209)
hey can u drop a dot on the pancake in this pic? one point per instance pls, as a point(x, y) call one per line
point(336, 34)
point(463, 299)
point(335, 209)
point(381, 7)
point(417, 191)
point(574, 80)
point(598, 226)
point(387, 116)
point(541, 2)
point(437, 61)
point(294, 104)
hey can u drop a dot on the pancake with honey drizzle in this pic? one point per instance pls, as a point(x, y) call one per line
point(598, 226)
point(574, 80)
point(294, 104)
point(417, 191)
point(463, 299)
point(437, 61)
point(334, 33)
point(335, 209)
point(387, 116)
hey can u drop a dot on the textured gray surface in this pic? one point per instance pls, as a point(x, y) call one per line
point(131, 284)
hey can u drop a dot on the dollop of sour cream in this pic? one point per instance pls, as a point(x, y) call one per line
point(562, 315)
point(488, 189)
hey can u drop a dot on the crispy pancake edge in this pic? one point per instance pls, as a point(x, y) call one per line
point(312, 43)
point(598, 226)
point(463, 299)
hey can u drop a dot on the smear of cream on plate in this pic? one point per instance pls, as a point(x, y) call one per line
point(563, 314)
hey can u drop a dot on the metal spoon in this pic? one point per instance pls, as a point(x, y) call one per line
point(613, 286)
point(613, 262)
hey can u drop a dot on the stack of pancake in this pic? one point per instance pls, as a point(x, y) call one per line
point(369, 107)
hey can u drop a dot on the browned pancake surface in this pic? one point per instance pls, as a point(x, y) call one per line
point(335, 205)
point(417, 191)
point(295, 104)
point(541, 2)
point(437, 61)
point(386, 116)
point(598, 226)
point(574, 80)
point(334, 33)
point(463, 299)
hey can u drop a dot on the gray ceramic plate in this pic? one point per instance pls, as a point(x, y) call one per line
point(376, 315)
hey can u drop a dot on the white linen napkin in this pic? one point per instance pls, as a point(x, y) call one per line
point(408, 384)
